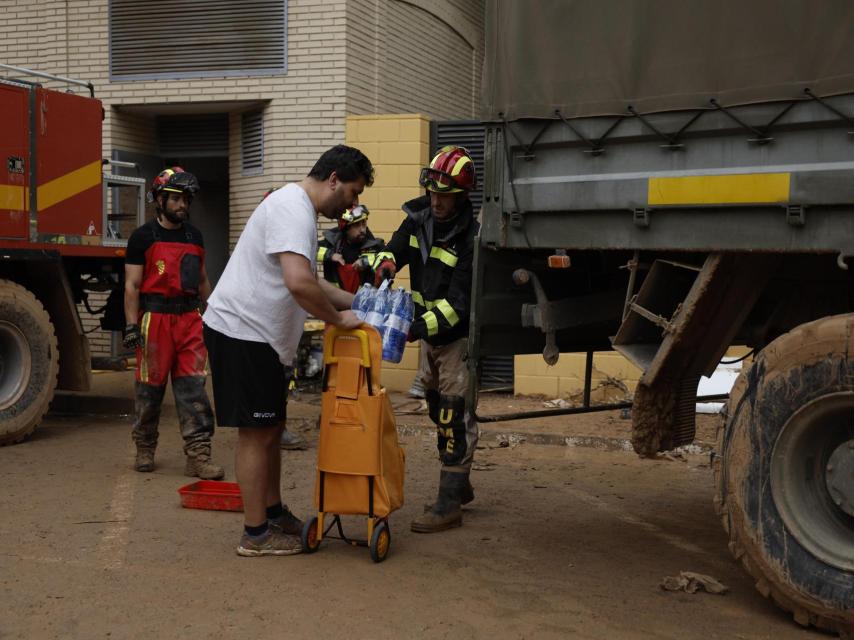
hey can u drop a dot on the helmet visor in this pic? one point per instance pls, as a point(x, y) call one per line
point(438, 181)
point(182, 183)
point(357, 214)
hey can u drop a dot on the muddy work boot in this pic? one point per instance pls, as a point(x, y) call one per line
point(287, 523)
point(199, 465)
point(466, 495)
point(446, 512)
point(144, 460)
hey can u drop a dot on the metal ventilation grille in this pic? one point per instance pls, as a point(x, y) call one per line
point(497, 372)
point(465, 133)
point(195, 38)
point(252, 142)
point(198, 136)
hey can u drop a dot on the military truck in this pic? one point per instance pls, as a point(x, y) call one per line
point(668, 179)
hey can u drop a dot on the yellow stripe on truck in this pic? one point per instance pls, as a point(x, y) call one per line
point(72, 183)
point(748, 188)
point(13, 197)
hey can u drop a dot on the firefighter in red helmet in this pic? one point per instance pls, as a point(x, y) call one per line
point(436, 241)
point(165, 285)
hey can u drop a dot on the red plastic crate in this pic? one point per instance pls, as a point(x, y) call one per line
point(211, 494)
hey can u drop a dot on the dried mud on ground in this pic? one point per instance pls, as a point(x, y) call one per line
point(560, 542)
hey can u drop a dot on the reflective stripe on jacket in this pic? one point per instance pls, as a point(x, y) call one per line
point(440, 270)
point(332, 243)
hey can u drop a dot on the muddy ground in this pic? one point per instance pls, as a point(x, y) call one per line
point(561, 542)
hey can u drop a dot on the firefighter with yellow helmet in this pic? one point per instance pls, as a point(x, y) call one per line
point(436, 242)
point(349, 251)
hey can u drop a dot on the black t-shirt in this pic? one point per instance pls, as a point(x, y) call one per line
point(143, 237)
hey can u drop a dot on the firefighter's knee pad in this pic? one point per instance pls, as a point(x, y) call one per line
point(432, 398)
point(451, 427)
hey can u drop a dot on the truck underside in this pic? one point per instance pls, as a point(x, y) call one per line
point(733, 228)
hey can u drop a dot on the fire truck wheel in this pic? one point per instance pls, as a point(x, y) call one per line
point(29, 362)
point(785, 472)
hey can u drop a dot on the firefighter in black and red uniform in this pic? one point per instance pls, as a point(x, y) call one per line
point(436, 241)
point(165, 285)
point(349, 252)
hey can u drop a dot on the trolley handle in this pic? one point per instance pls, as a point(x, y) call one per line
point(329, 341)
point(328, 358)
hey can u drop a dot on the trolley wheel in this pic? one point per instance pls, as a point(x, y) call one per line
point(309, 540)
point(380, 541)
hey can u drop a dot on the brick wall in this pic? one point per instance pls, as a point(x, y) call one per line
point(398, 145)
point(344, 57)
point(415, 57)
point(534, 377)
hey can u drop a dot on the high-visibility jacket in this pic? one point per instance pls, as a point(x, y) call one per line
point(440, 258)
point(346, 276)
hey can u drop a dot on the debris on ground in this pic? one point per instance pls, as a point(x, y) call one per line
point(483, 466)
point(505, 441)
point(557, 403)
point(672, 456)
point(691, 582)
point(609, 390)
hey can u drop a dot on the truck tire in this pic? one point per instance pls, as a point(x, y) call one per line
point(29, 362)
point(784, 472)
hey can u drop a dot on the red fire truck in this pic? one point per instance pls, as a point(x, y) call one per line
point(64, 225)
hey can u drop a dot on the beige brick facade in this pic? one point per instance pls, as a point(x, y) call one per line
point(345, 57)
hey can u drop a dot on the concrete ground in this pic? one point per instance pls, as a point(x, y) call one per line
point(561, 542)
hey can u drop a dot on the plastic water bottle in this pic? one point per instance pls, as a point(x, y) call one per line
point(397, 325)
point(388, 329)
point(377, 315)
point(363, 302)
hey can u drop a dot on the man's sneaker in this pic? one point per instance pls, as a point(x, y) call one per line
point(293, 441)
point(274, 543)
point(200, 466)
point(287, 523)
point(144, 460)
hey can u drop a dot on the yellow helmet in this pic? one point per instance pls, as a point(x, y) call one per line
point(352, 216)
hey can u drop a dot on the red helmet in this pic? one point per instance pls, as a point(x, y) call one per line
point(174, 180)
point(451, 171)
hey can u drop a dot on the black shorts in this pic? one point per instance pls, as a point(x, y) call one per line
point(250, 384)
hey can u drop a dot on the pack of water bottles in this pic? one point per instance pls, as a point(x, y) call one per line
point(390, 312)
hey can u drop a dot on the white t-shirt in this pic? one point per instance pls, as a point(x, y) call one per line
point(251, 301)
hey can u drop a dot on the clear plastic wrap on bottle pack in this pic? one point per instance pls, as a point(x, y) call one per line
point(397, 323)
point(390, 312)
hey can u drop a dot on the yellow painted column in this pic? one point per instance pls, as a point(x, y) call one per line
point(532, 376)
point(398, 146)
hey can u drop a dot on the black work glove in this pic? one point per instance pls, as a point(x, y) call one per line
point(132, 337)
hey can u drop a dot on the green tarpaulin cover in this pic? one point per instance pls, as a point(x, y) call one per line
point(597, 57)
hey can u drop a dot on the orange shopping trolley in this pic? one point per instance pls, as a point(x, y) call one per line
point(360, 465)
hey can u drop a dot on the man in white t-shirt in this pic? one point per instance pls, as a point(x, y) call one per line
point(253, 324)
